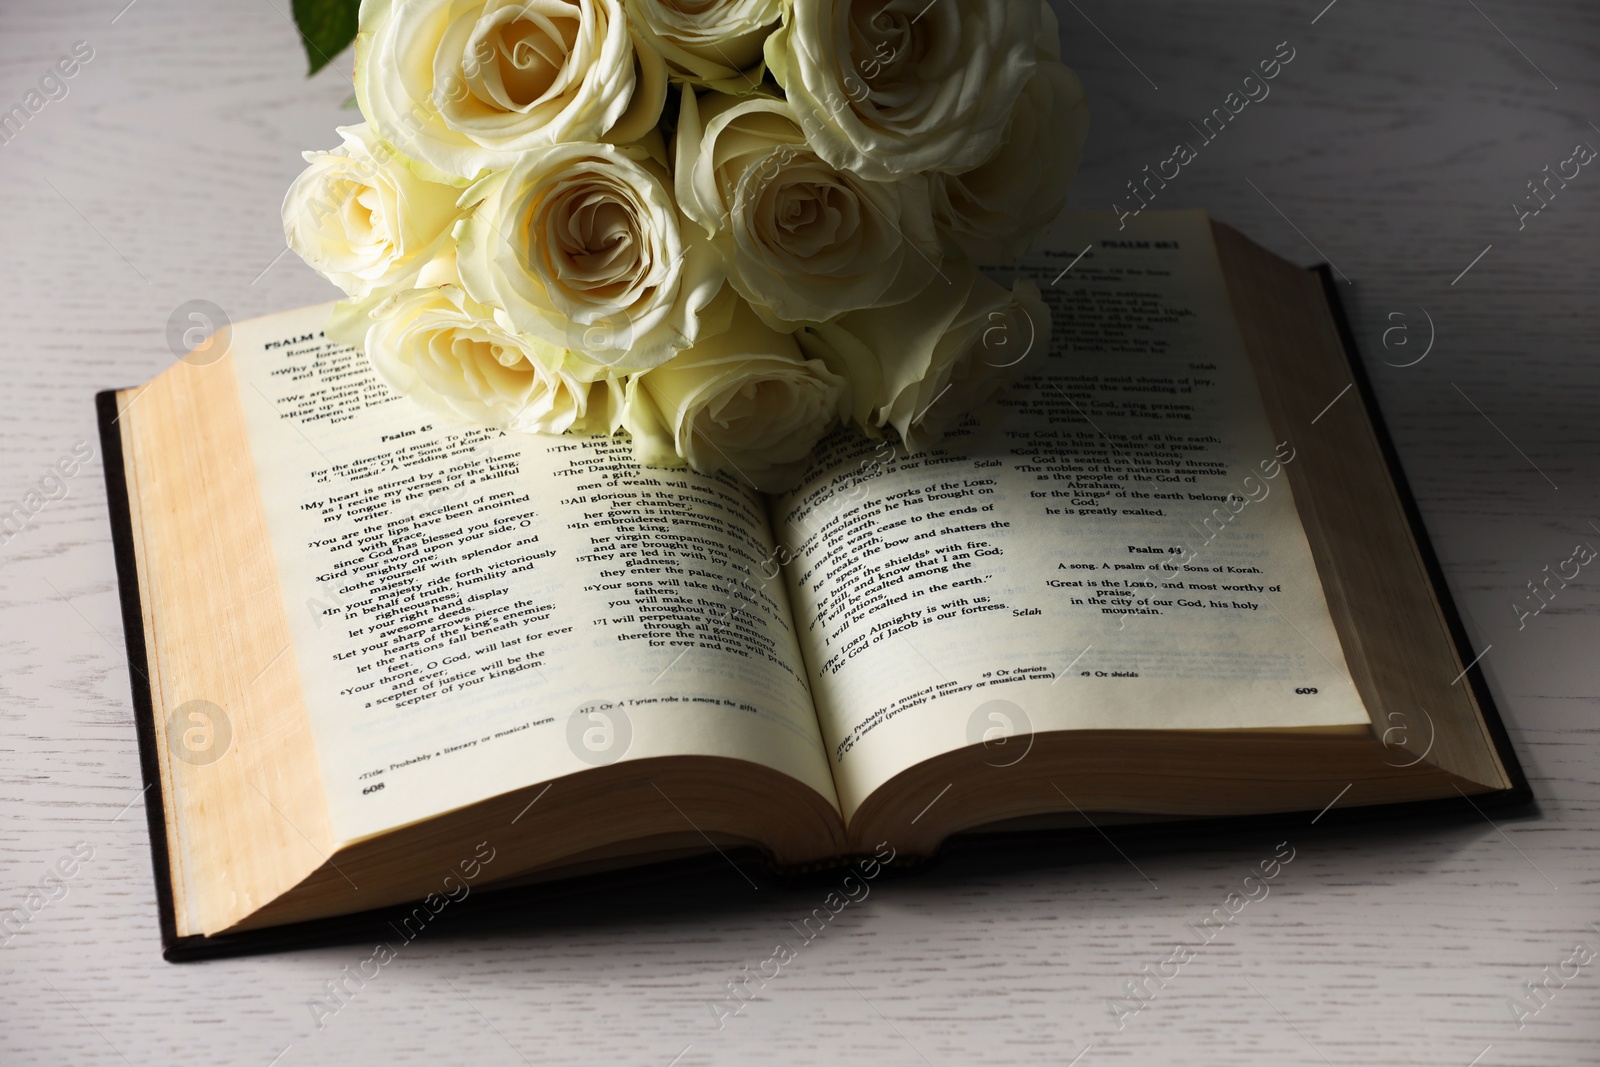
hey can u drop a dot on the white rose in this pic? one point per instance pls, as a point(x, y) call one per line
point(923, 365)
point(998, 209)
point(708, 42)
point(1048, 42)
point(466, 86)
point(581, 246)
point(362, 218)
point(892, 87)
point(448, 355)
point(746, 401)
point(801, 240)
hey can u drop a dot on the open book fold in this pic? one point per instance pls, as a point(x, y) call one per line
point(1170, 573)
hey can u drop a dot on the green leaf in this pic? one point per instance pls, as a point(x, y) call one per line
point(326, 28)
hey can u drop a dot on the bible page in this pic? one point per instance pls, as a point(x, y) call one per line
point(473, 612)
point(1109, 544)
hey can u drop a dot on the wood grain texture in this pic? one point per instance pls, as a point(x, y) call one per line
point(1395, 141)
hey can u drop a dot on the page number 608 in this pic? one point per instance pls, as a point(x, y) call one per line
point(1306, 690)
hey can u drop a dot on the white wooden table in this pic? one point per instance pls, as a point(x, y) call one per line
point(1393, 145)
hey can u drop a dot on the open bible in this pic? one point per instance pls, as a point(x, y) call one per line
point(1171, 572)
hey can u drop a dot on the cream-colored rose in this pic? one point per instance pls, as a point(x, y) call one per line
point(924, 365)
point(893, 87)
point(745, 401)
point(801, 239)
point(1048, 41)
point(997, 210)
point(437, 347)
point(467, 86)
point(362, 218)
point(581, 246)
point(716, 43)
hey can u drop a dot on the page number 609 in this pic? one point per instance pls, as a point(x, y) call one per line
point(1306, 690)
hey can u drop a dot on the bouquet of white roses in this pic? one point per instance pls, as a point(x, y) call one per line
point(723, 226)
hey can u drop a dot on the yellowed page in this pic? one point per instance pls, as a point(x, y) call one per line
point(1112, 543)
point(474, 612)
point(245, 821)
